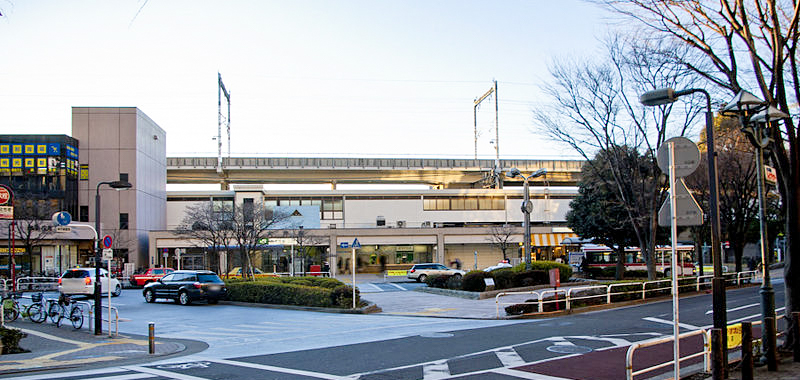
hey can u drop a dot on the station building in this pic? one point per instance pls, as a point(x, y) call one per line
point(452, 219)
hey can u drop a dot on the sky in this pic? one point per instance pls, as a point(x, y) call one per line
point(344, 78)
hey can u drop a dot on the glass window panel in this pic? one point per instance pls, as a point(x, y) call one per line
point(442, 204)
point(498, 203)
point(485, 203)
point(457, 204)
point(337, 205)
point(338, 215)
point(471, 203)
point(328, 206)
point(429, 204)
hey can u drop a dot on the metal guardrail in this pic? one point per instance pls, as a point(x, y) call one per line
point(37, 284)
point(116, 318)
point(705, 353)
point(647, 287)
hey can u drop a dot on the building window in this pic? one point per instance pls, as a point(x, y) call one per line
point(247, 209)
point(123, 177)
point(84, 214)
point(123, 221)
point(443, 203)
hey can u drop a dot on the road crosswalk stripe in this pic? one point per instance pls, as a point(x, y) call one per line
point(92, 373)
point(277, 369)
point(436, 370)
point(167, 374)
point(509, 358)
point(735, 308)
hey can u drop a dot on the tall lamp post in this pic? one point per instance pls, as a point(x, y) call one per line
point(98, 307)
point(719, 307)
point(527, 208)
point(755, 116)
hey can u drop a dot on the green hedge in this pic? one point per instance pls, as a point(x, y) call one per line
point(473, 281)
point(564, 270)
point(292, 292)
point(10, 339)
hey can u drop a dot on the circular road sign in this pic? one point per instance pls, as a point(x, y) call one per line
point(106, 241)
point(5, 195)
point(687, 156)
point(62, 218)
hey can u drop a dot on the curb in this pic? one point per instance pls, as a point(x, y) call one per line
point(369, 309)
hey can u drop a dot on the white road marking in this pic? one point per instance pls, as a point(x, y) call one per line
point(378, 288)
point(736, 308)
point(435, 370)
point(278, 369)
point(85, 374)
point(754, 316)
point(398, 286)
point(666, 322)
point(509, 358)
point(158, 372)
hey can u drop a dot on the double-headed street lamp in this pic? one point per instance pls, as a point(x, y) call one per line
point(669, 95)
point(98, 307)
point(755, 116)
point(527, 207)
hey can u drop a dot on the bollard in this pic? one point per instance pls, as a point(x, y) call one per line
point(747, 351)
point(796, 335)
point(768, 338)
point(717, 363)
point(151, 336)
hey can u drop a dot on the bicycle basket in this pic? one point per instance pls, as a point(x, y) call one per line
point(36, 297)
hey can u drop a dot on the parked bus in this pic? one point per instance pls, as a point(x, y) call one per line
point(600, 256)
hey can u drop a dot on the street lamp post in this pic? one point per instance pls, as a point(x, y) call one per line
point(98, 307)
point(755, 115)
point(720, 312)
point(527, 207)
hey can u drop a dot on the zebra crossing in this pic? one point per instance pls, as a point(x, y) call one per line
point(511, 362)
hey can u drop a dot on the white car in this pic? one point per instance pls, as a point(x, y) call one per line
point(420, 272)
point(80, 281)
point(498, 266)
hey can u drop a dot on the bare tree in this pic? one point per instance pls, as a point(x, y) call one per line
point(306, 243)
point(211, 225)
point(743, 45)
point(595, 109)
point(251, 223)
point(500, 237)
point(33, 225)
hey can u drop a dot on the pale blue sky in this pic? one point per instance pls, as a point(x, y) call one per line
point(329, 78)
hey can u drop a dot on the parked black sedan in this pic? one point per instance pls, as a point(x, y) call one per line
point(186, 286)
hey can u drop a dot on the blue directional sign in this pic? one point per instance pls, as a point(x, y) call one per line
point(356, 244)
point(62, 218)
point(344, 245)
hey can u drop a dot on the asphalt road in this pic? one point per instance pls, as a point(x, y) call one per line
point(262, 343)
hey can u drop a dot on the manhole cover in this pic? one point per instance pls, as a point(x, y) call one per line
point(436, 335)
point(569, 349)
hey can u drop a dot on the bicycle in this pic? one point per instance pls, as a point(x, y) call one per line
point(58, 311)
point(12, 308)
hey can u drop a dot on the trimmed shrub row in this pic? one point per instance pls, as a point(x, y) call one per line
point(297, 291)
point(503, 278)
point(10, 339)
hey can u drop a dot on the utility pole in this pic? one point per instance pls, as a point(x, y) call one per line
point(221, 90)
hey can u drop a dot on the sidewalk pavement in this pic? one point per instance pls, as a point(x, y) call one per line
point(52, 348)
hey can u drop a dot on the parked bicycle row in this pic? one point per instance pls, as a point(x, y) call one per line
point(58, 310)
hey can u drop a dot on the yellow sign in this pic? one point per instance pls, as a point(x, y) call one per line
point(735, 335)
point(396, 273)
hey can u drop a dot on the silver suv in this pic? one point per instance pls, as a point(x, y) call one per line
point(420, 272)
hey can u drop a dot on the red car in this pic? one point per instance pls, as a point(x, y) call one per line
point(152, 275)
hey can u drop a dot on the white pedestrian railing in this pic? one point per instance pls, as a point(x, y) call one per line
point(37, 284)
point(643, 290)
point(705, 353)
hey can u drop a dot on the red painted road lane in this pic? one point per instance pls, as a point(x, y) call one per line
point(610, 364)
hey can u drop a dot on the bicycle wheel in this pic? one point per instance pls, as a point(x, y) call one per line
point(54, 312)
point(10, 311)
point(36, 313)
point(76, 317)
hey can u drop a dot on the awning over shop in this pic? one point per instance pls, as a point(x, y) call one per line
point(546, 240)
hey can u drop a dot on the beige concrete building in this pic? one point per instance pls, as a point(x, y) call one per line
point(122, 143)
